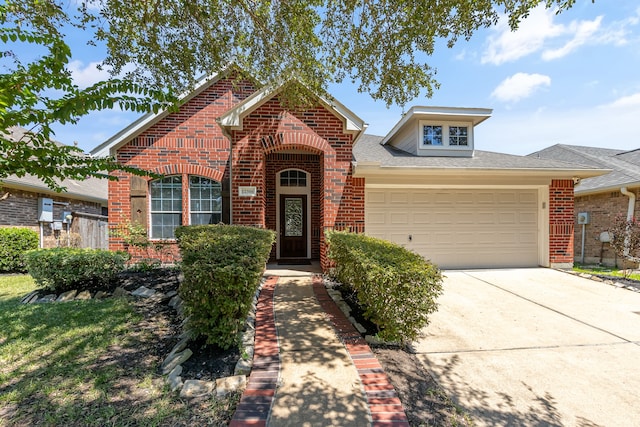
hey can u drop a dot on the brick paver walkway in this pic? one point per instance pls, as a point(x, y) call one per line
point(385, 409)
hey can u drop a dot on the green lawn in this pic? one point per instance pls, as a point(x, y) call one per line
point(604, 271)
point(80, 363)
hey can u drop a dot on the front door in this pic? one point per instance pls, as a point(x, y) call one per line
point(293, 226)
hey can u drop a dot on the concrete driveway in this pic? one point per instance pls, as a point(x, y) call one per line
point(531, 347)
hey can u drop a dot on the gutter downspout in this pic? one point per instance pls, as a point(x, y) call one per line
point(630, 213)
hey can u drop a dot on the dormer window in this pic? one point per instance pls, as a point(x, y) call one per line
point(444, 135)
point(437, 131)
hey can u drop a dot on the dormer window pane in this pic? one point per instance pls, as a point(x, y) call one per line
point(432, 135)
point(458, 135)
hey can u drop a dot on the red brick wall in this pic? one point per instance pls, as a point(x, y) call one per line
point(270, 129)
point(272, 139)
point(603, 209)
point(561, 223)
point(185, 142)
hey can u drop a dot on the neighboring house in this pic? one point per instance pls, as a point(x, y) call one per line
point(22, 199)
point(232, 153)
point(599, 200)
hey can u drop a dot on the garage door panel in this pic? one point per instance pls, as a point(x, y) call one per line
point(486, 217)
point(419, 198)
point(422, 218)
point(507, 197)
point(398, 197)
point(527, 217)
point(485, 198)
point(527, 198)
point(374, 197)
point(376, 218)
point(399, 218)
point(508, 218)
point(459, 228)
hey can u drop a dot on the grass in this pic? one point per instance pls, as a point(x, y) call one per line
point(605, 271)
point(66, 364)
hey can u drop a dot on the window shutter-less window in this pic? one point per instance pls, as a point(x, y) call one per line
point(138, 195)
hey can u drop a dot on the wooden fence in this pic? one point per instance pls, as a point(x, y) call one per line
point(92, 229)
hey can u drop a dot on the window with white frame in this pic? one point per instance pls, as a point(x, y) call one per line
point(444, 135)
point(166, 206)
point(432, 135)
point(458, 135)
point(205, 197)
point(293, 178)
point(205, 204)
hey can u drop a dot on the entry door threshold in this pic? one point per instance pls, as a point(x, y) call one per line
point(294, 261)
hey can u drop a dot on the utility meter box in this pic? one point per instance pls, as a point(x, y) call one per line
point(583, 218)
point(56, 226)
point(605, 237)
point(66, 217)
point(45, 209)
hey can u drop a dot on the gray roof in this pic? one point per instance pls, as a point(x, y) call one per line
point(92, 189)
point(624, 165)
point(369, 150)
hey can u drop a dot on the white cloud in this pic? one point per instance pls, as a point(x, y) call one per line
point(624, 102)
point(582, 32)
point(519, 86)
point(539, 31)
point(505, 45)
point(85, 76)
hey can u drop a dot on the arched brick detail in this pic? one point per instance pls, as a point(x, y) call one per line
point(311, 143)
point(179, 169)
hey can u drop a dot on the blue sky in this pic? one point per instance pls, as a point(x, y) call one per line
point(572, 78)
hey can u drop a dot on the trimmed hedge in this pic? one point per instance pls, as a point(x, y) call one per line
point(222, 266)
point(14, 243)
point(64, 269)
point(396, 287)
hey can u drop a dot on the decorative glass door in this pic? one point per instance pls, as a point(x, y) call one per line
point(293, 226)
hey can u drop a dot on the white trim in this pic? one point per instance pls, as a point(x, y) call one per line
point(543, 226)
point(293, 190)
point(369, 169)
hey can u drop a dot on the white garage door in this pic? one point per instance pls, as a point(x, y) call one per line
point(458, 228)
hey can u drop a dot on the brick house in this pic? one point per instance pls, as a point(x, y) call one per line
point(233, 153)
point(85, 200)
point(599, 200)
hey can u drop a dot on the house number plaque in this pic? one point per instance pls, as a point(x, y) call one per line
point(247, 191)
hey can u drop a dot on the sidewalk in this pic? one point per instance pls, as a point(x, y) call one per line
point(311, 367)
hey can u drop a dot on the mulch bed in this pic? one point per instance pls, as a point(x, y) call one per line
point(424, 401)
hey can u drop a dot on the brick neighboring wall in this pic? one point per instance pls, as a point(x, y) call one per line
point(20, 209)
point(603, 209)
point(561, 223)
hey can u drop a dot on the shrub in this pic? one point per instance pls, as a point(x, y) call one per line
point(63, 269)
point(14, 242)
point(222, 266)
point(625, 241)
point(396, 287)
